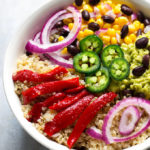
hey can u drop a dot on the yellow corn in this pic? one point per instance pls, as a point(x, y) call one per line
point(127, 40)
point(117, 9)
point(142, 26)
point(84, 26)
point(111, 32)
point(118, 32)
point(61, 38)
point(106, 39)
point(116, 27)
point(70, 26)
point(113, 40)
point(88, 32)
point(64, 51)
point(80, 35)
point(132, 28)
point(132, 37)
point(91, 20)
point(88, 8)
point(67, 21)
point(100, 22)
point(102, 9)
point(122, 21)
point(137, 24)
point(107, 25)
point(98, 17)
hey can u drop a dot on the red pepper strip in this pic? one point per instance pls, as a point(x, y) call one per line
point(36, 110)
point(28, 75)
point(88, 115)
point(48, 87)
point(68, 101)
point(75, 90)
point(67, 116)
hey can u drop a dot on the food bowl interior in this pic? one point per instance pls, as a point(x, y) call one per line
point(16, 48)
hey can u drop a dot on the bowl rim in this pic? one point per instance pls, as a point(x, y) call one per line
point(32, 131)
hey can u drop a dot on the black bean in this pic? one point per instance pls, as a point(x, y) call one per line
point(93, 26)
point(78, 2)
point(126, 10)
point(94, 2)
point(141, 43)
point(138, 71)
point(127, 92)
point(140, 16)
point(59, 24)
point(63, 32)
point(85, 15)
point(28, 53)
point(145, 61)
point(140, 94)
point(55, 40)
point(146, 21)
point(139, 32)
point(124, 31)
point(108, 19)
point(148, 48)
point(73, 50)
point(74, 42)
point(81, 148)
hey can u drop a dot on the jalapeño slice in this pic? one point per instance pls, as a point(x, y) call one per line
point(110, 53)
point(86, 62)
point(91, 43)
point(119, 69)
point(99, 81)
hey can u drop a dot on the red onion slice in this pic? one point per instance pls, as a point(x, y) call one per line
point(59, 60)
point(37, 37)
point(94, 133)
point(111, 14)
point(102, 30)
point(118, 37)
point(133, 17)
point(147, 29)
point(125, 127)
point(39, 48)
point(138, 102)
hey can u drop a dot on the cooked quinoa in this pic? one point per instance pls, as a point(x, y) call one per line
point(34, 63)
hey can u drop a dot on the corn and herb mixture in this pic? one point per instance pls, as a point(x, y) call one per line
point(84, 81)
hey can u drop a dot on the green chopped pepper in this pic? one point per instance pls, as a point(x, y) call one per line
point(91, 43)
point(99, 81)
point(86, 62)
point(110, 53)
point(119, 69)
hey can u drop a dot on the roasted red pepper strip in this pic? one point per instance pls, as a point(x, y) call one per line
point(68, 101)
point(48, 87)
point(88, 114)
point(36, 110)
point(30, 76)
point(67, 116)
point(75, 90)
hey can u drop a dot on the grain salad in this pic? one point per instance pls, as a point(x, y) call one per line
point(83, 80)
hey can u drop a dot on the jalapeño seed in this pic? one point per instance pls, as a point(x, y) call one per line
point(78, 2)
point(108, 19)
point(138, 71)
point(141, 43)
point(145, 61)
point(93, 26)
point(85, 15)
point(124, 31)
point(126, 10)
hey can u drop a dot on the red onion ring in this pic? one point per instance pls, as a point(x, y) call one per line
point(133, 17)
point(94, 133)
point(102, 30)
point(39, 48)
point(126, 128)
point(138, 102)
point(37, 37)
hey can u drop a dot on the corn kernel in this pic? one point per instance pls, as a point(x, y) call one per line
point(80, 35)
point(116, 27)
point(127, 40)
point(118, 32)
point(136, 24)
point(131, 28)
point(113, 40)
point(67, 21)
point(64, 51)
point(88, 8)
point(117, 9)
point(132, 37)
point(88, 32)
point(84, 26)
point(107, 25)
point(109, 2)
point(142, 26)
point(102, 9)
point(106, 39)
point(61, 38)
point(100, 22)
point(122, 21)
point(111, 32)
point(91, 20)
point(70, 26)
point(98, 17)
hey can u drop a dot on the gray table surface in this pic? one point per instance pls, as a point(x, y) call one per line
point(12, 14)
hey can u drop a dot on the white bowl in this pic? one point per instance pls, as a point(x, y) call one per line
point(16, 48)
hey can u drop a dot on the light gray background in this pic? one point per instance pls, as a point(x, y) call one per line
point(12, 14)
